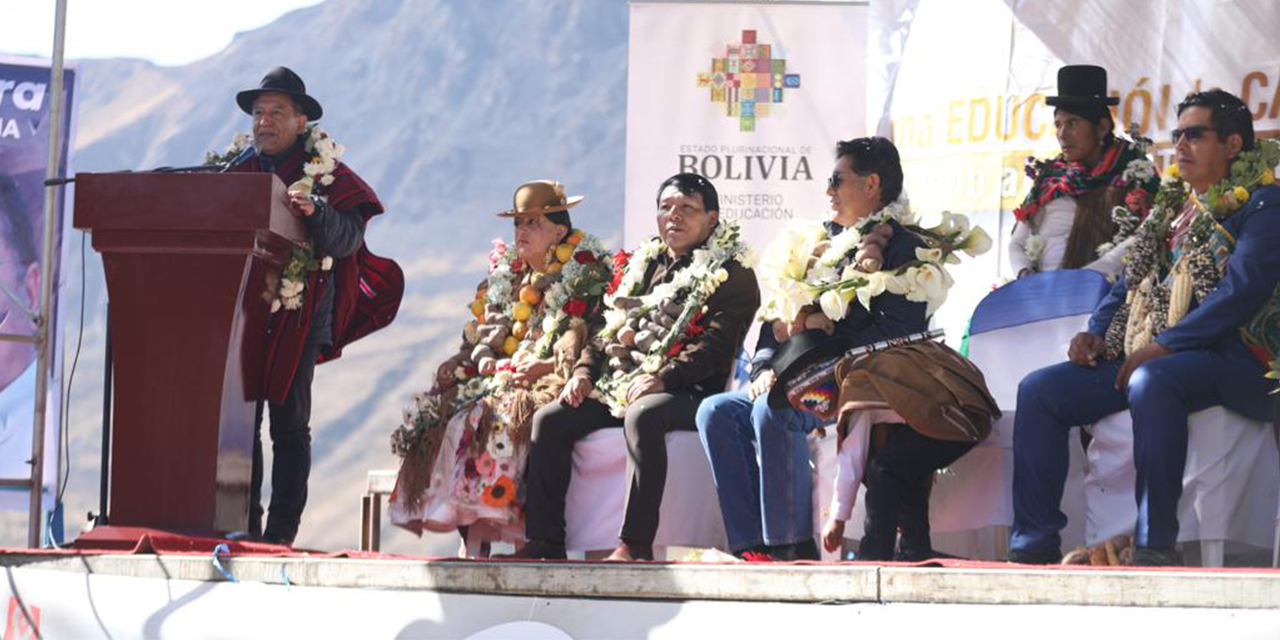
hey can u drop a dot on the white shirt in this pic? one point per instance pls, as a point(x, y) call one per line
point(1053, 224)
point(852, 462)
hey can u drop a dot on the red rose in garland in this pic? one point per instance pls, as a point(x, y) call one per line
point(620, 260)
point(692, 331)
point(575, 307)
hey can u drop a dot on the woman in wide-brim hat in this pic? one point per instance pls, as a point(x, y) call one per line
point(1066, 221)
point(465, 440)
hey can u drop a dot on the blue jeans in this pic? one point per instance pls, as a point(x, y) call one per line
point(1161, 394)
point(764, 502)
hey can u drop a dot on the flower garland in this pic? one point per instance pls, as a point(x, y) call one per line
point(804, 266)
point(239, 142)
point(293, 278)
point(643, 332)
point(1124, 165)
point(576, 278)
point(325, 154)
point(1163, 280)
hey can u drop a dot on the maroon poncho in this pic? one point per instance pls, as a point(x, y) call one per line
point(368, 288)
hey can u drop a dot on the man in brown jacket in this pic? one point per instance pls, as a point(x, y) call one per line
point(655, 403)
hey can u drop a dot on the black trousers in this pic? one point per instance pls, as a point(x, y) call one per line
point(898, 477)
point(291, 456)
point(556, 427)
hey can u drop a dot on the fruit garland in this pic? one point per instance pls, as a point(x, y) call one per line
point(574, 282)
point(643, 332)
point(576, 273)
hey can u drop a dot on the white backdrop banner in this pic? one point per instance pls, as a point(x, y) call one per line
point(961, 87)
point(752, 96)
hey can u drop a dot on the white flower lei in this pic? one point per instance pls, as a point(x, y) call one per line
point(690, 288)
point(788, 283)
point(324, 161)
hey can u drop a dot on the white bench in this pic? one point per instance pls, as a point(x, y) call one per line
point(689, 517)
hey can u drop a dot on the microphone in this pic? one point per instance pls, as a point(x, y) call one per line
point(244, 156)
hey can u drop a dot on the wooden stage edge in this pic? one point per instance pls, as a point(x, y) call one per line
point(1218, 589)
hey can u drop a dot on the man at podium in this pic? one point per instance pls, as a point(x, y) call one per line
point(318, 289)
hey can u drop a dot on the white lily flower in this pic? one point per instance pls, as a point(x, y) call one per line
point(976, 243)
point(898, 284)
point(876, 284)
point(833, 305)
point(928, 255)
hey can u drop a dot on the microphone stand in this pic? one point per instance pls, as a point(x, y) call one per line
point(218, 167)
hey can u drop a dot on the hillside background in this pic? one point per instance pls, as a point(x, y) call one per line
point(444, 107)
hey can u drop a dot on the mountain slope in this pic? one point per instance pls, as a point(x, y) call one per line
point(444, 107)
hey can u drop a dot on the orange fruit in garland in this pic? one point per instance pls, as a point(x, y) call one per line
point(574, 238)
point(564, 252)
point(522, 311)
point(519, 330)
point(510, 345)
point(554, 267)
point(477, 309)
point(529, 294)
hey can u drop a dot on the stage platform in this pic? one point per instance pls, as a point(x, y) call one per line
point(358, 594)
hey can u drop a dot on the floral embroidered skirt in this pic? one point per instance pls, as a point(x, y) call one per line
point(475, 480)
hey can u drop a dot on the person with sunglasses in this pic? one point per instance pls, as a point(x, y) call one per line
point(1188, 326)
point(1066, 222)
point(759, 454)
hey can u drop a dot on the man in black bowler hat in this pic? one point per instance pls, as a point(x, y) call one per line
point(335, 207)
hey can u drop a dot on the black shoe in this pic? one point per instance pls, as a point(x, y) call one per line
point(1026, 556)
point(914, 552)
point(803, 550)
point(276, 539)
point(537, 550)
point(1156, 557)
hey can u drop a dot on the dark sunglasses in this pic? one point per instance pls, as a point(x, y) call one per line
point(834, 181)
point(1192, 133)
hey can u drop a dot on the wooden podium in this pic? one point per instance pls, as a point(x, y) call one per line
point(191, 263)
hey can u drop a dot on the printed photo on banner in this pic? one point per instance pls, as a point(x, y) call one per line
point(24, 138)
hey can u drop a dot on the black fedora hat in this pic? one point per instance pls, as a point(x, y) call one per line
point(282, 80)
point(1081, 85)
point(796, 355)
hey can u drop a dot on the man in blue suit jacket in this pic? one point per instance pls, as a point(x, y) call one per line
point(1199, 362)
